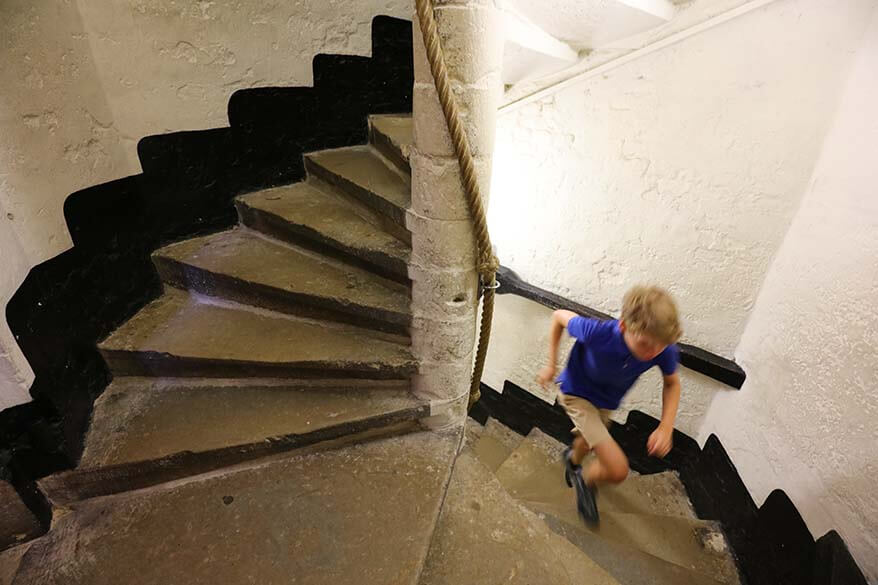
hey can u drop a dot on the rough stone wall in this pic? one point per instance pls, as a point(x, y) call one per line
point(683, 168)
point(85, 80)
point(805, 419)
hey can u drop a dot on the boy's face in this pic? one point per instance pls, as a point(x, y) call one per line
point(641, 345)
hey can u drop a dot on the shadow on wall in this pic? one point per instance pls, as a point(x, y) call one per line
point(68, 304)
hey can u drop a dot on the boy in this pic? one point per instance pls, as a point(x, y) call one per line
point(606, 360)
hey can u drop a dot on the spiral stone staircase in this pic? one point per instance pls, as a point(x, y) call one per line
point(260, 424)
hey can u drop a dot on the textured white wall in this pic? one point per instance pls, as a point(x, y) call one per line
point(56, 137)
point(805, 420)
point(84, 80)
point(520, 345)
point(15, 376)
point(169, 65)
point(683, 168)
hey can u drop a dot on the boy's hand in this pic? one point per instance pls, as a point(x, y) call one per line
point(546, 377)
point(660, 442)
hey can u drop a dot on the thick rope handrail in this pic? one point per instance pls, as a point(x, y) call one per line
point(487, 262)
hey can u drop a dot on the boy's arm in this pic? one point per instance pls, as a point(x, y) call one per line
point(660, 441)
point(560, 319)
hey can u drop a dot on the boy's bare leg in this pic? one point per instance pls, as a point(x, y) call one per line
point(609, 466)
point(580, 449)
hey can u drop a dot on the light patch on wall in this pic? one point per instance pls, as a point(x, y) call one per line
point(677, 168)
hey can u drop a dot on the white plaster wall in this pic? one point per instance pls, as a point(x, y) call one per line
point(169, 65)
point(56, 137)
point(519, 348)
point(682, 168)
point(15, 376)
point(84, 80)
point(805, 420)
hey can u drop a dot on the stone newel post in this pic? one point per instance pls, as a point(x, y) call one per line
point(442, 268)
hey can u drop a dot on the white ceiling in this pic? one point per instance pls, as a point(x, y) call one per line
point(588, 24)
point(545, 36)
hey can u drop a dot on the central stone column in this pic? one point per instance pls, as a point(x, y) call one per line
point(443, 263)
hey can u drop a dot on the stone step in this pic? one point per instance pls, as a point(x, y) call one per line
point(241, 266)
point(629, 565)
point(534, 470)
point(696, 545)
point(472, 430)
point(185, 335)
point(17, 522)
point(138, 419)
point(494, 444)
point(659, 494)
point(361, 173)
point(651, 514)
point(393, 136)
point(484, 536)
point(359, 514)
point(10, 560)
point(309, 214)
point(537, 452)
point(64, 490)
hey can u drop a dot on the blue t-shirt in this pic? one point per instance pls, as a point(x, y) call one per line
point(601, 368)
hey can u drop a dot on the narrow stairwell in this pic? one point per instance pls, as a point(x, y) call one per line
point(260, 425)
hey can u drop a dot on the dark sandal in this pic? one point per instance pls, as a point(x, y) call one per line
point(570, 470)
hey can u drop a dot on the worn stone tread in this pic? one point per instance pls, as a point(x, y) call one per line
point(183, 335)
point(363, 174)
point(310, 212)
point(17, 522)
point(240, 265)
point(10, 560)
point(472, 431)
point(698, 545)
point(485, 537)
point(534, 471)
point(496, 441)
point(360, 514)
point(136, 419)
point(393, 134)
point(629, 565)
point(534, 452)
point(647, 513)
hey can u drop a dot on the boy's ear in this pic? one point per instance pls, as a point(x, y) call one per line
point(622, 325)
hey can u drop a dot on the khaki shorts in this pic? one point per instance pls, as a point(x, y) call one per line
point(588, 420)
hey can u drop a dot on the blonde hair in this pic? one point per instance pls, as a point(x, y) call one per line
point(651, 310)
